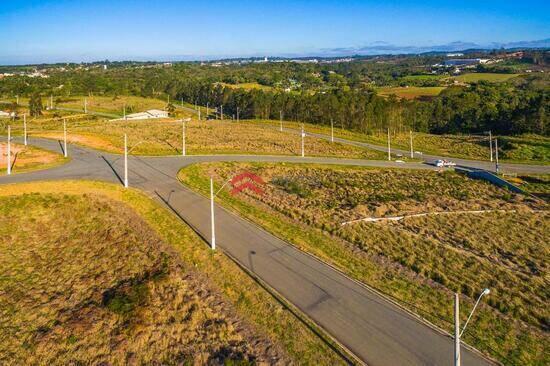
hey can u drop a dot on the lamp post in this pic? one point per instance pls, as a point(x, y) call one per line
point(411, 139)
point(389, 145)
point(496, 155)
point(458, 332)
point(491, 144)
point(9, 151)
point(65, 154)
point(25, 128)
point(213, 226)
point(125, 161)
point(303, 137)
point(183, 137)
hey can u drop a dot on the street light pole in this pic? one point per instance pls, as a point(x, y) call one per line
point(411, 138)
point(65, 137)
point(389, 145)
point(496, 154)
point(183, 137)
point(491, 144)
point(25, 128)
point(125, 161)
point(303, 136)
point(213, 228)
point(9, 151)
point(458, 332)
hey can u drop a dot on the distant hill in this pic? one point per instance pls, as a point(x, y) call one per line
point(384, 48)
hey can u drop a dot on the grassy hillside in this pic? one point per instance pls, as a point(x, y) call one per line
point(164, 137)
point(99, 274)
point(484, 76)
point(419, 261)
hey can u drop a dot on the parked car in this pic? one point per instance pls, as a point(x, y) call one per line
point(444, 163)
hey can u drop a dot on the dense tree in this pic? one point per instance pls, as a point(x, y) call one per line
point(35, 105)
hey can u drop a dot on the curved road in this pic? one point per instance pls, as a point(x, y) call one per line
point(374, 329)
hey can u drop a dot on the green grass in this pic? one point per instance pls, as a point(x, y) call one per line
point(420, 262)
point(483, 76)
point(411, 92)
point(110, 239)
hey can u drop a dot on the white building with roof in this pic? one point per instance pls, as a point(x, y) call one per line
point(150, 114)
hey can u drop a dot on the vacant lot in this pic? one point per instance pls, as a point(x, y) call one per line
point(522, 149)
point(164, 137)
point(484, 76)
point(26, 158)
point(87, 280)
point(420, 261)
point(247, 86)
point(411, 92)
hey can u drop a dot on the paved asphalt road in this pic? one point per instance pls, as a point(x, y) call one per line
point(374, 329)
point(428, 158)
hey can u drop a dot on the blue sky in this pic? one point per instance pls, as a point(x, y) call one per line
point(48, 31)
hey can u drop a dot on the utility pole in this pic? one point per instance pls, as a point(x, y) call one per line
point(496, 154)
point(51, 101)
point(213, 228)
point(281, 121)
point(125, 161)
point(65, 137)
point(457, 332)
point(183, 137)
point(491, 144)
point(389, 145)
point(25, 128)
point(221, 112)
point(331, 130)
point(411, 138)
point(85, 106)
point(9, 150)
point(303, 136)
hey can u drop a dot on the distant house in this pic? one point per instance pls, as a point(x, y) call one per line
point(150, 114)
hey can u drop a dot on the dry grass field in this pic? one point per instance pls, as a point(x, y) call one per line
point(164, 137)
point(411, 92)
point(532, 149)
point(420, 261)
point(99, 275)
point(27, 158)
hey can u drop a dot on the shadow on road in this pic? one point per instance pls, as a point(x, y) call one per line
point(113, 169)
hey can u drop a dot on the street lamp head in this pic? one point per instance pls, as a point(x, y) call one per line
point(486, 292)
